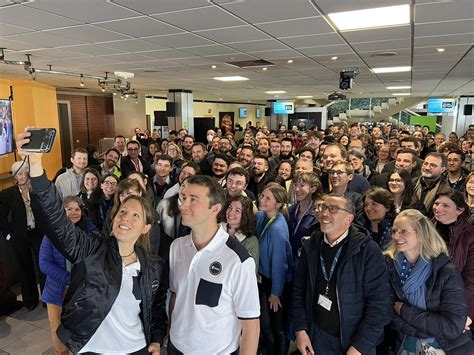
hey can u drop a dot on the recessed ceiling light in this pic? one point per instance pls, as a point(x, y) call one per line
point(231, 78)
point(214, 66)
point(334, 58)
point(264, 68)
point(371, 18)
point(440, 50)
point(220, 98)
point(289, 61)
point(304, 96)
point(275, 92)
point(390, 70)
point(398, 87)
point(401, 94)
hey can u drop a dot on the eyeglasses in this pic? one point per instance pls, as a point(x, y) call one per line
point(395, 181)
point(431, 165)
point(332, 209)
point(110, 183)
point(404, 231)
point(133, 149)
point(337, 172)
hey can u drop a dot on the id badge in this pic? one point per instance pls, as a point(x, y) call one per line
point(325, 302)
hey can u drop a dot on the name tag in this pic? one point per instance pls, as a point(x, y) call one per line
point(325, 302)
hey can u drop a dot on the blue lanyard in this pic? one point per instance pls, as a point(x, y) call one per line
point(333, 266)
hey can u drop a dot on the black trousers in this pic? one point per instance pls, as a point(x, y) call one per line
point(143, 351)
point(26, 253)
point(273, 325)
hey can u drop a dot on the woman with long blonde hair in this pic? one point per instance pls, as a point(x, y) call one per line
point(430, 306)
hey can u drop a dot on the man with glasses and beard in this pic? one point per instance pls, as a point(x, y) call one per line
point(260, 175)
point(341, 295)
point(135, 162)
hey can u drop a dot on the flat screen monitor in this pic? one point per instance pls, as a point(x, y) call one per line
point(6, 127)
point(441, 105)
point(243, 112)
point(258, 112)
point(283, 107)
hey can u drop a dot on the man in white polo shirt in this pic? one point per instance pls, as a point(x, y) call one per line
point(214, 307)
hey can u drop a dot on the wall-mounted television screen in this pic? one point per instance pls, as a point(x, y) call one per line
point(441, 105)
point(283, 107)
point(6, 127)
point(258, 112)
point(243, 112)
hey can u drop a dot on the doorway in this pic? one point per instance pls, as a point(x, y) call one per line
point(201, 126)
point(65, 131)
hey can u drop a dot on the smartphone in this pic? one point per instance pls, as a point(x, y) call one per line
point(41, 140)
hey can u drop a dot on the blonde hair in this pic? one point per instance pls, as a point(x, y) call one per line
point(431, 243)
point(179, 152)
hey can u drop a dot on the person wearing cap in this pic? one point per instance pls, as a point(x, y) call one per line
point(18, 227)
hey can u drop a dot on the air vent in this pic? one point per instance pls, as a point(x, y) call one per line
point(384, 54)
point(251, 63)
point(150, 71)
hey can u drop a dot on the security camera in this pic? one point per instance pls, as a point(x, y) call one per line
point(345, 78)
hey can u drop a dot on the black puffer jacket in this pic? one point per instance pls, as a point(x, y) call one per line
point(97, 274)
point(446, 309)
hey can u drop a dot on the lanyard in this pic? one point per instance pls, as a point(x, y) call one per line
point(270, 221)
point(333, 266)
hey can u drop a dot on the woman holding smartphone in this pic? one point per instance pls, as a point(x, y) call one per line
point(116, 304)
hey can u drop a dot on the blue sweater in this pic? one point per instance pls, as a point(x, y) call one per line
point(275, 251)
point(53, 264)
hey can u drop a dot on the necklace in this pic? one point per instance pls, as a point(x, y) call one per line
point(126, 256)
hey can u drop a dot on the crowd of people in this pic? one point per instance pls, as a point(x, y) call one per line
point(351, 240)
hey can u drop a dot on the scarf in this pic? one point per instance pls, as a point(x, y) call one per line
point(413, 284)
point(427, 194)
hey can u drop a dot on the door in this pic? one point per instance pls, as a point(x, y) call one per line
point(64, 112)
point(201, 126)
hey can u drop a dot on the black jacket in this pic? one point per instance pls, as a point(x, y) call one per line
point(13, 213)
point(446, 309)
point(362, 288)
point(97, 274)
point(127, 166)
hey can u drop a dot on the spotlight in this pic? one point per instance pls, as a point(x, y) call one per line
point(345, 78)
point(82, 81)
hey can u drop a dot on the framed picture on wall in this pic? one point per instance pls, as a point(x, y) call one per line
point(6, 127)
point(226, 121)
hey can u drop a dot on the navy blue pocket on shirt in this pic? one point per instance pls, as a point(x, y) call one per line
point(208, 293)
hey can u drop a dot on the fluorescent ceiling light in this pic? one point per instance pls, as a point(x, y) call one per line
point(440, 50)
point(275, 92)
point(371, 18)
point(401, 94)
point(390, 70)
point(398, 87)
point(230, 78)
point(334, 58)
point(304, 96)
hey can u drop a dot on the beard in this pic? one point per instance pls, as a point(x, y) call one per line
point(284, 155)
point(258, 173)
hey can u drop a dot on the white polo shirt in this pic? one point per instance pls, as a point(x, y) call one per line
point(215, 288)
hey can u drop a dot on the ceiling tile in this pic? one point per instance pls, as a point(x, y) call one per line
point(382, 45)
point(179, 40)
point(313, 40)
point(327, 50)
point(15, 45)
point(31, 18)
point(256, 11)
point(6, 30)
point(240, 33)
point(444, 28)
point(92, 49)
point(330, 6)
point(45, 39)
point(444, 11)
point(209, 18)
point(81, 10)
point(167, 54)
point(298, 27)
point(88, 33)
point(254, 46)
point(381, 34)
point(139, 27)
point(441, 41)
point(277, 54)
point(233, 57)
point(132, 45)
point(214, 49)
point(155, 7)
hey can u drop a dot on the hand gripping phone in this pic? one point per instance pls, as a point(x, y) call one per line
point(41, 140)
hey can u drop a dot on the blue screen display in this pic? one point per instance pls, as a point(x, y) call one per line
point(242, 112)
point(441, 105)
point(283, 107)
point(258, 112)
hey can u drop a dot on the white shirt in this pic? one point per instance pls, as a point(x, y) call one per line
point(215, 288)
point(121, 332)
point(338, 240)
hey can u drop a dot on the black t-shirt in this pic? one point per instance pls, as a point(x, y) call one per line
point(328, 320)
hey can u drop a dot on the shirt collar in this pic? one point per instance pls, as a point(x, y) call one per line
point(219, 238)
point(338, 240)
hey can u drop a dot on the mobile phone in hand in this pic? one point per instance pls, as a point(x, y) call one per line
point(41, 140)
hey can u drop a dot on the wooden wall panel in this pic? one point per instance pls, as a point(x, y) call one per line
point(92, 118)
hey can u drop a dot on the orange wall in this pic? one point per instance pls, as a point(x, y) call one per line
point(36, 105)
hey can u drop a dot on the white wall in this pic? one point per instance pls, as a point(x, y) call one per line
point(128, 115)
